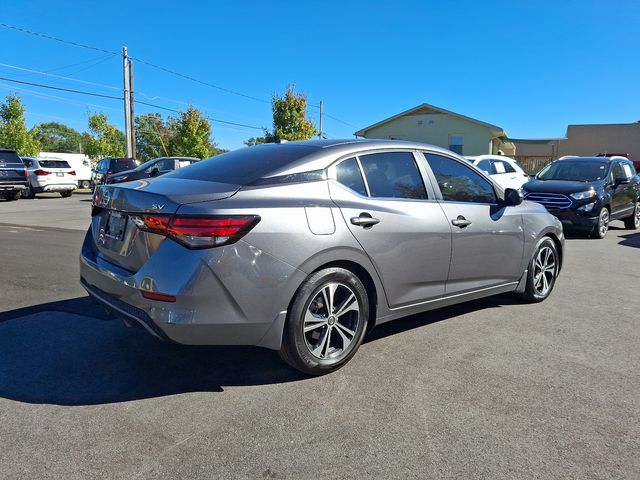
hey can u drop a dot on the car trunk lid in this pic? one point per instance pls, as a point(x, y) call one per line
point(116, 236)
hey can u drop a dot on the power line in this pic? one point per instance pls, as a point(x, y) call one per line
point(62, 77)
point(56, 39)
point(81, 92)
point(159, 67)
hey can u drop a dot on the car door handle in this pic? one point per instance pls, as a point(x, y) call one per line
point(364, 220)
point(461, 222)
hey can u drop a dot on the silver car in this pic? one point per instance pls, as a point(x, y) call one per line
point(303, 247)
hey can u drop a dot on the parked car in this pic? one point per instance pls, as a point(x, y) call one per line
point(13, 174)
point(586, 193)
point(504, 171)
point(80, 163)
point(49, 175)
point(636, 163)
point(303, 247)
point(152, 168)
point(109, 166)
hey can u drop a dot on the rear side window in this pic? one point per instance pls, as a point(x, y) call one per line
point(486, 166)
point(393, 175)
point(53, 164)
point(503, 167)
point(348, 174)
point(459, 183)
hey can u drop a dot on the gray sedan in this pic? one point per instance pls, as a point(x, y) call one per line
point(303, 247)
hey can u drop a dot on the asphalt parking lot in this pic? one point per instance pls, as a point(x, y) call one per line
point(491, 389)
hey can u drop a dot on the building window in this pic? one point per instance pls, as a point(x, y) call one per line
point(455, 143)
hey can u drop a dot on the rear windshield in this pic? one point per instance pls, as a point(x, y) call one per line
point(245, 165)
point(120, 164)
point(9, 157)
point(53, 164)
point(574, 170)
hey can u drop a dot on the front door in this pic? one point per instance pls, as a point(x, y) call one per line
point(488, 239)
point(397, 221)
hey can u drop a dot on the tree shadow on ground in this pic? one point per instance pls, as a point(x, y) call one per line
point(72, 352)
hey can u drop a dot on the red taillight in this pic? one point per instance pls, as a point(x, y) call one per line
point(41, 173)
point(72, 172)
point(198, 231)
point(109, 172)
point(160, 297)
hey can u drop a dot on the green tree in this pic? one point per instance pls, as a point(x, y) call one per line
point(192, 136)
point(13, 128)
point(289, 117)
point(153, 136)
point(256, 140)
point(57, 137)
point(103, 139)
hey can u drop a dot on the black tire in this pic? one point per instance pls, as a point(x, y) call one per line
point(307, 308)
point(85, 184)
point(633, 222)
point(28, 193)
point(602, 227)
point(532, 292)
point(66, 194)
point(11, 196)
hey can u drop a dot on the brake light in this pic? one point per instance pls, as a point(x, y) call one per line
point(72, 172)
point(41, 173)
point(24, 172)
point(198, 231)
point(160, 297)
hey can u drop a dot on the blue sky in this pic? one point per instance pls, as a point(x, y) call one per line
point(531, 67)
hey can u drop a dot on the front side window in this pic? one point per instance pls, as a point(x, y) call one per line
point(348, 174)
point(456, 143)
point(393, 175)
point(617, 171)
point(459, 183)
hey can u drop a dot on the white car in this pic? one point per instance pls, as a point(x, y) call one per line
point(49, 175)
point(504, 170)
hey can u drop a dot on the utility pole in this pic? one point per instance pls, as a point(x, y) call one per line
point(127, 101)
point(132, 124)
point(320, 132)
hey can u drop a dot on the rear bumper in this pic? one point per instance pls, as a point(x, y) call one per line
point(571, 220)
point(59, 187)
point(232, 295)
point(12, 187)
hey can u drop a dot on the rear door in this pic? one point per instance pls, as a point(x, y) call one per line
point(623, 191)
point(397, 221)
point(488, 239)
point(508, 177)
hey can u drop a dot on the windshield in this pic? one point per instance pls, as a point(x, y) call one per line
point(576, 171)
point(53, 164)
point(146, 165)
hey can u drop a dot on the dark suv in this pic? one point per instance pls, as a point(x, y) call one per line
point(13, 174)
point(586, 193)
point(109, 166)
point(152, 168)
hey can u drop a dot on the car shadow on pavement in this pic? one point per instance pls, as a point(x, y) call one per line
point(73, 353)
point(630, 240)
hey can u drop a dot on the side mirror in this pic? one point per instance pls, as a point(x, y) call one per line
point(154, 171)
point(621, 181)
point(512, 197)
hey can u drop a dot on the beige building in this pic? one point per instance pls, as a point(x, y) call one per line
point(437, 126)
point(581, 140)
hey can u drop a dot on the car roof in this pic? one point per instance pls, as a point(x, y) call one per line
point(319, 154)
point(587, 159)
point(491, 157)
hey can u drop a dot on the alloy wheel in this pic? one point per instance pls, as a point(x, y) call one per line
point(603, 225)
point(544, 270)
point(331, 321)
